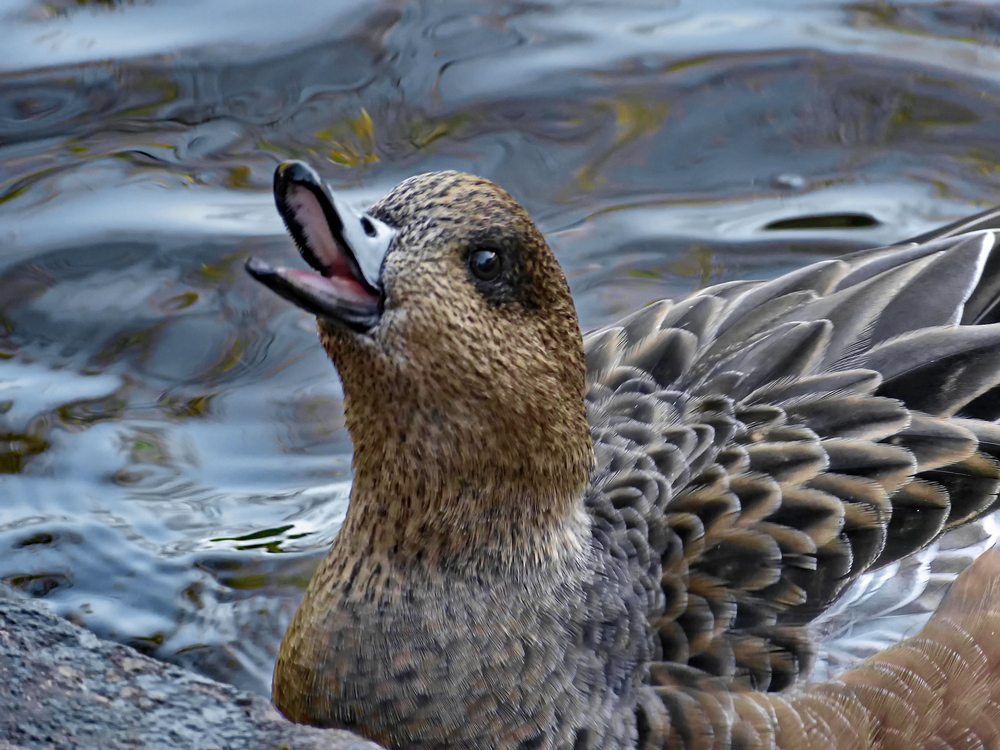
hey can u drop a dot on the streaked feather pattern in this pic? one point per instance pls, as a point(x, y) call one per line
point(776, 441)
point(756, 466)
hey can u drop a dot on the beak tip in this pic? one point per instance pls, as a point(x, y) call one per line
point(257, 268)
point(295, 171)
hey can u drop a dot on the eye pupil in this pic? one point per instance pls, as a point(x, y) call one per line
point(485, 264)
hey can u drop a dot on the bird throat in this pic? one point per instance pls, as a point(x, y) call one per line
point(411, 509)
point(451, 494)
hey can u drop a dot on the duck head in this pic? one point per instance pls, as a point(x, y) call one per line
point(454, 333)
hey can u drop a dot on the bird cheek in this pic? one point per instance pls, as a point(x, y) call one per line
point(392, 337)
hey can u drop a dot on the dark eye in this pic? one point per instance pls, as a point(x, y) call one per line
point(485, 264)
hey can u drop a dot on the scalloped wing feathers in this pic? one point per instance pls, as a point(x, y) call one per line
point(761, 445)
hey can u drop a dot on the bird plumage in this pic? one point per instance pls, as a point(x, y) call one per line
point(512, 574)
point(796, 459)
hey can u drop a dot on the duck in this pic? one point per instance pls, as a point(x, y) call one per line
point(619, 539)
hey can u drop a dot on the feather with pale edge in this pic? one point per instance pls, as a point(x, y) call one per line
point(809, 430)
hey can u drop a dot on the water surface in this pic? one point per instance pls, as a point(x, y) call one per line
point(173, 460)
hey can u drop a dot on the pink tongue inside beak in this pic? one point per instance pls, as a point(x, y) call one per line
point(324, 253)
point(345, 288)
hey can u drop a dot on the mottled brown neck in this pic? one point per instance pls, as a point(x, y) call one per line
point(454, 490)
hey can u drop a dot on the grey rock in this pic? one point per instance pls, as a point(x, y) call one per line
point(63, 687)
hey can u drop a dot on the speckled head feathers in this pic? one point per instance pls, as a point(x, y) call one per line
point(474, 374)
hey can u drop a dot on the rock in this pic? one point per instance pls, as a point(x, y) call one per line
point(63, 687)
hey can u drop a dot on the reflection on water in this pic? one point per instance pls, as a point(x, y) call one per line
point(172, 453)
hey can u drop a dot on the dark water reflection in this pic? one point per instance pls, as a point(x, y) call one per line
point(167, 427)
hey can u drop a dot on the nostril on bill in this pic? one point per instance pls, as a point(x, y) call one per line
point(367, 225)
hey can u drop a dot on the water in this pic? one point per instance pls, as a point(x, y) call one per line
point(172, 454)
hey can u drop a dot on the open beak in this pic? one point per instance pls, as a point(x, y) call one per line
point(346, 249)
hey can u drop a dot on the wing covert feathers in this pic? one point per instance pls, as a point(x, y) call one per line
point(937, 689)
point(766, 444)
